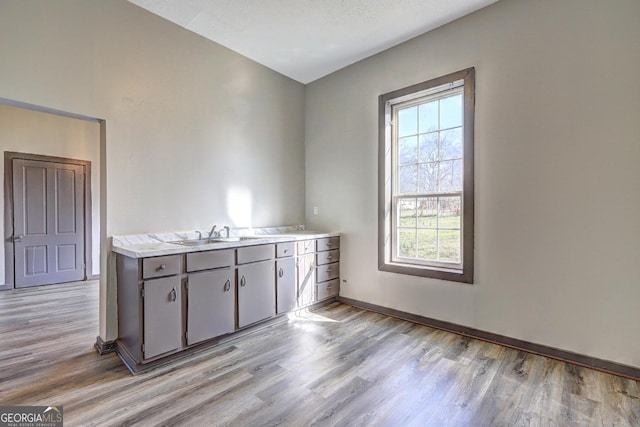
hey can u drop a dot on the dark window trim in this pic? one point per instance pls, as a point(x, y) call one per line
point(384, 190)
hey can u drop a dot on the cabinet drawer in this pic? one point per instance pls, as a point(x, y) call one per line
point(306, 247)
point(328, 289)
point(160, 266)
point(207, 260)
point(328, 244)
point(255, 253)
point(285, 249)
point(327, 257)
point(327, 272)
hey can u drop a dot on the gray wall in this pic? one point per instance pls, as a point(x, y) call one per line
point(195, 133)
point(557, 179)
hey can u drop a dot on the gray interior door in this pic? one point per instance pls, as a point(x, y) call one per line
point(48, 222)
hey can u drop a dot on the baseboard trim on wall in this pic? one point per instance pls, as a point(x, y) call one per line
point(104, 347)
point(542, 350)
point(93, 277)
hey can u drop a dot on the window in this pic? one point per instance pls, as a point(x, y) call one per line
point(426, 178)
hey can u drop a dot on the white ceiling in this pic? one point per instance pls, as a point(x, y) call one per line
point(308, 39)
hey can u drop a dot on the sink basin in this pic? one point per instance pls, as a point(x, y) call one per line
point(196, 242)
point(201, 242)
point(236, 239)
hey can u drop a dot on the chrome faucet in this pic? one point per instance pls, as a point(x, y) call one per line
point(225, 229)
point(212, 233)
point(199, 234)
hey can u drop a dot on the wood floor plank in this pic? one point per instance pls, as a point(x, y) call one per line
point(335, 365)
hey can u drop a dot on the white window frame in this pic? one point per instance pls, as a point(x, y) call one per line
point(389, 104)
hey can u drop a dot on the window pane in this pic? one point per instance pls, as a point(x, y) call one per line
point(449, 246)
point(407, 213)
point(451, 144)
point(451, 111)
point(408, 179)
point(428, 244)
point(428, 212)
point(408, 150)
point(450, 175)
point(428, 178)
point(407, 242)
point(428, 114)
point(449, 211)
point(408, 121)
point(428, 151)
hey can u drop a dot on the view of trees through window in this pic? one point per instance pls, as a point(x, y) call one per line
point(429, 178)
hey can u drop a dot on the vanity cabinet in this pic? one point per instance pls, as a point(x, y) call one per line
point(210, 295)
point(210, 305)
point(286, 294)
point(318, 270)
point(171, 303)
point(149, 307)
point(327, 268)
point(162, 316)
point(306, 279)
point(256, 284)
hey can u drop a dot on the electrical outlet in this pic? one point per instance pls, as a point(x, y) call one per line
point(315, 210)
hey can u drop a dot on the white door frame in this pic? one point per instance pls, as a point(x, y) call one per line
point(9, 156)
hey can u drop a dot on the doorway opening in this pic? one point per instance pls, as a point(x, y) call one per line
point(57, 158)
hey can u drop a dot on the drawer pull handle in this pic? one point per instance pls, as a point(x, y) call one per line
point(280, 272)
point(243, 282)
point(286, 250)
point(328, 243)
point(174, 295)
point(329, 287)
point(328, 270)
point(328, 256)
point(227, 285)
point(162, 267)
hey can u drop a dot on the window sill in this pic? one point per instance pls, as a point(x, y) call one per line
point(462, 276)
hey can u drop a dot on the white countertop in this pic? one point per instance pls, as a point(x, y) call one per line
point(156, 247)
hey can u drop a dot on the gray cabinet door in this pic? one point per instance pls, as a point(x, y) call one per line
point(48, 224)
point(210, 305)
point(256, 292)
point(306, 279)
point(162, 316)
point(286, 285)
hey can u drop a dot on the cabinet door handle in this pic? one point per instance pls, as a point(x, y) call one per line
point(280, 272)
point(173, 294)
point(162, 267)
point(227, 285)
point(243, 281)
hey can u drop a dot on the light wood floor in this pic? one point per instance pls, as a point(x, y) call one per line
point(337, 366)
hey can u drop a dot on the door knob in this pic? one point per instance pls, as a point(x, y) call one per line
point(17, 238)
